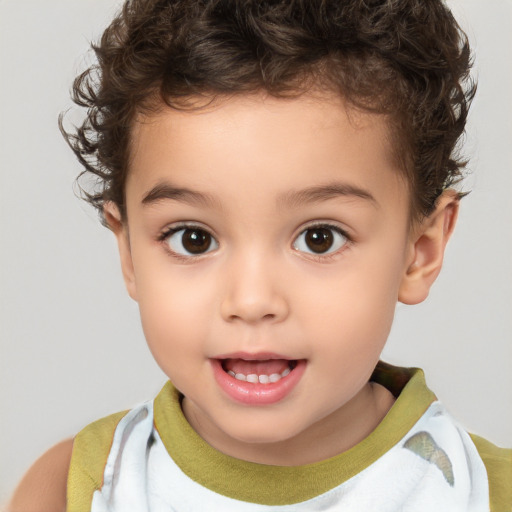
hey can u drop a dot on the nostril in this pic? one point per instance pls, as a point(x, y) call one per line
point(253, 300)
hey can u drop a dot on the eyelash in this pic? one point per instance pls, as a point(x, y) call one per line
point(164, 235)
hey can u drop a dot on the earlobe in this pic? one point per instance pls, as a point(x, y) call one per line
point(426, 251)
point(118, 227)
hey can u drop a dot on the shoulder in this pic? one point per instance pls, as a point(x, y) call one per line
point(43, 488)
point(71, 468)
point(498, 463)
point(91, 449)
point(94, 441)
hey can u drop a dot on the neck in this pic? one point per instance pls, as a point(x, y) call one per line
point(335, 434)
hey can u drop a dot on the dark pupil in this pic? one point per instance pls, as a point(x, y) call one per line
point(196, 241)
point(319, 239)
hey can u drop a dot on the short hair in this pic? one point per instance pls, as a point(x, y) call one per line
point(406, 59)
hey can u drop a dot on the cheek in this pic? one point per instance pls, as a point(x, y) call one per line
point(173, 334)
point(175, 312)
point(357, 307)
point(167, 289)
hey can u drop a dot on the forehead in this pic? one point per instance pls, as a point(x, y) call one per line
point(254, 141)
point(302, 115)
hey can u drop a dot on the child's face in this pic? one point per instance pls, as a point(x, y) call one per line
point(269, 230)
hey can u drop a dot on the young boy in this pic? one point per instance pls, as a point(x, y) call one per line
point(278, 175)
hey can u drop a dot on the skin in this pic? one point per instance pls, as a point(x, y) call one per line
point(43, 488)
point(259, 287)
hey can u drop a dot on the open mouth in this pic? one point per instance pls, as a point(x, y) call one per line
point(264, 371)
point(257, 380)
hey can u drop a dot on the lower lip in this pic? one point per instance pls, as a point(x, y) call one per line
point(256, 393)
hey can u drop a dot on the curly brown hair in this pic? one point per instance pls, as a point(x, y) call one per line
point(407, 59)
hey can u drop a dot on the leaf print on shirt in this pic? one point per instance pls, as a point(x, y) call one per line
point(423, 444)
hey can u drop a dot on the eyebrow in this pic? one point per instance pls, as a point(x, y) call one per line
point(167, 191)
point(292, 199)
point(296, 198)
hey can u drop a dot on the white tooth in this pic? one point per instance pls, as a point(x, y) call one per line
point(286, 372)
point(232, 373)
point(264, 379)
point(274, 377)
point(252, 378)
point(240, 376)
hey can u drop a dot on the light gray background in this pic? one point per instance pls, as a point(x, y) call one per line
point(71, 346)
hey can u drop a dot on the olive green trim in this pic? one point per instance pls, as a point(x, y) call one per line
point(91, 448)
point(498, 462)
point(280, 485)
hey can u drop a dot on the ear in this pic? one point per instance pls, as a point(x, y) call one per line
point(119, 228)
point(426, 250)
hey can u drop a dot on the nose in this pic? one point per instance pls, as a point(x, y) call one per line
point(253, 292)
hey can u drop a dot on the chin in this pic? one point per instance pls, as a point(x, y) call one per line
point(258, 433)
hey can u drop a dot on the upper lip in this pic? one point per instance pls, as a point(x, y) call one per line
point(256, 356)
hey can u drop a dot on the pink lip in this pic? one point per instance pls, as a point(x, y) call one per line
point(258, 356)
point(256, 394)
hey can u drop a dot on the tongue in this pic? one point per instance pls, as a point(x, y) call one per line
point(266, 367)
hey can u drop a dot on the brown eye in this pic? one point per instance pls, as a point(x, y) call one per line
point(191, 241)
point(320, 240)
point(196, 241)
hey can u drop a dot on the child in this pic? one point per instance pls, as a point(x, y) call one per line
point(278, 175)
